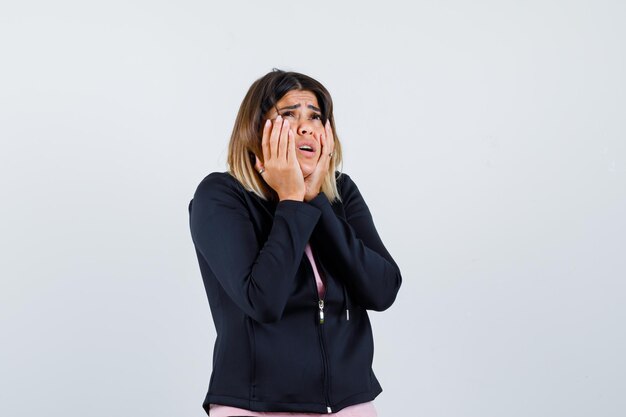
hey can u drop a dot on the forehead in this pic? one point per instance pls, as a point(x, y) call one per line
point(298, 96)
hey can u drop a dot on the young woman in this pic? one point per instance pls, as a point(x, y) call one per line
point(291, 261)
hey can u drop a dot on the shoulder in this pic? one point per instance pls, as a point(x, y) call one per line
point(352, 200)
point(345, 184)
point(342, 179)
point(216, 182)
point(217, 187)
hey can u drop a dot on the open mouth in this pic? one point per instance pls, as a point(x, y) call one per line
point(306, 148)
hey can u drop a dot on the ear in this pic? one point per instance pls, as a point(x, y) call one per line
point(255, 161)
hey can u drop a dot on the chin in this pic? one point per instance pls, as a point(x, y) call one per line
point(306, 171)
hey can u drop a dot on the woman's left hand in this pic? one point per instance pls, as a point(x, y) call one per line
point(313, 183)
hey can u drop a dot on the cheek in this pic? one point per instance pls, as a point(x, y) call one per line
point(318, 131)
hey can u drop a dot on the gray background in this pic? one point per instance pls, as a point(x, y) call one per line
point(488, 139)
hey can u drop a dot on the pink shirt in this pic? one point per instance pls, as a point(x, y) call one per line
point(365, 409)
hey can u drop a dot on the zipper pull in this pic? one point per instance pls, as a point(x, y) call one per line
point(321, 304)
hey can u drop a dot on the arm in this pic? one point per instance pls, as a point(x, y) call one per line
point(356, 250)
point(257, 276)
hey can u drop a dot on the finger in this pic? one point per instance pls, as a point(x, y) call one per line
point(265, 145)
point(323, 144)
point(274, 137)
point(329, 136)
point(283, 141)
point(324, 152)
point(327, 149)
point(292, 148)
point(322, 162)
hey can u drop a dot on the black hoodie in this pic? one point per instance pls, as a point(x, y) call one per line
point(278, 346)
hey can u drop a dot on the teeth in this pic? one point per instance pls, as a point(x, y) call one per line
point(306, 147)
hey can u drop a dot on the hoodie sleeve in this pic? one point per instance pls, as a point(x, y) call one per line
point(358, 255)
point(258, 276)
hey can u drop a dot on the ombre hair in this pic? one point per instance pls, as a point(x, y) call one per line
point(247, 135)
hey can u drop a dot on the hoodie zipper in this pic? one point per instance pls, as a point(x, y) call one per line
point(320, 330)
point(324, 358)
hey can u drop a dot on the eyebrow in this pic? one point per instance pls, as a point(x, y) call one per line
point(295, 106)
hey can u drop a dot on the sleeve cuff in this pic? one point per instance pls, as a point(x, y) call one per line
point(320, 201)
point(299, 206)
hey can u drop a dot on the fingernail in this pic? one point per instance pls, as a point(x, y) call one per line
point(267, 122)
point(278, 117)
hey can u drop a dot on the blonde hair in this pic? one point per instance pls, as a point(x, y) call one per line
point(246, 137)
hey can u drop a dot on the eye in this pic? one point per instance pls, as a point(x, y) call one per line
point(316, 116)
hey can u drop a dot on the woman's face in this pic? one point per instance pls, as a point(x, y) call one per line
point(302, 111)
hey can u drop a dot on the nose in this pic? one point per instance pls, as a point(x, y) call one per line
point(305, 128)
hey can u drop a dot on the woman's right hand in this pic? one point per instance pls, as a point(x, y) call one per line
point(282, 170)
